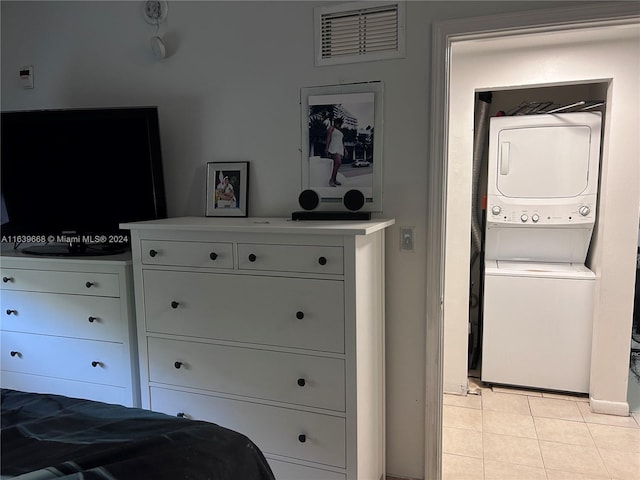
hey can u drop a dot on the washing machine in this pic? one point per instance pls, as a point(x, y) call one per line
point(541, 209)
point(537, 328)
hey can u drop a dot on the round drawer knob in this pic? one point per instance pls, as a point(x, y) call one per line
point(11, 311)
point(153, 253)
point(175, 304)
point(252, 257)
point(89, 284)
point(299, 315)
point(13, 353)
point(7, 279)
point(178, 365)
point(95, 364)
point(302, 438)
point(213, 255)
point(302, 382)
point(322, 261)
point(92, 319)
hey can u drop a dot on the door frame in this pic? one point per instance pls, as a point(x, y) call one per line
point(444, 35)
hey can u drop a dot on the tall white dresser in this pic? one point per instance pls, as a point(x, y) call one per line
point(270, 327)
point(67, 327)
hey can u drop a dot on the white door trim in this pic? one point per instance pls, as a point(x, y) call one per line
point(444, 35)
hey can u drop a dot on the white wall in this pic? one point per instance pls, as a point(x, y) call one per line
point(229, 90)
point(598, 55)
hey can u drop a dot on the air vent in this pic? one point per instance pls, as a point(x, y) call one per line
point(359, 32)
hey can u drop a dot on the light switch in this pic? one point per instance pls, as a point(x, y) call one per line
point(406, 238)
point(26, 77)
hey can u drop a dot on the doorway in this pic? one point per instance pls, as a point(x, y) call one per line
point(562, 47)
point(521, 102)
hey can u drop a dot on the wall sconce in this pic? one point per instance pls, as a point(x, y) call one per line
point(155, 13)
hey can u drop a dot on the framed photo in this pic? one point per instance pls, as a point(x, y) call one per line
point(227, 189)
point(342, 142)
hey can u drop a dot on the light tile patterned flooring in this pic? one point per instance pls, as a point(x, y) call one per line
point(514, 434)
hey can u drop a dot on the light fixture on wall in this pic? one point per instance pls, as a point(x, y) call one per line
point(155, 13)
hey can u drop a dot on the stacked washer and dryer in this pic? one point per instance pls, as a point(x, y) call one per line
point(541, 210)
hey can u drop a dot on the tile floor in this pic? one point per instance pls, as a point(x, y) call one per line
point(514, 434)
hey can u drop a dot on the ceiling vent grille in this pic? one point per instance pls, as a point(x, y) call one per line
point(359, 32)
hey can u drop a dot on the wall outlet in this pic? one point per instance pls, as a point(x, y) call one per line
point(407, 235)
point(26, 76)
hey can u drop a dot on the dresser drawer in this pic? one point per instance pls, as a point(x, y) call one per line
point(69, 358)
point(69, 388)
point(290, 258)
point(285, 377)
point(81, 283)
point(293, 312)
point(291, 471)
point(97, 318)
point(279, 431)
point(188, 254)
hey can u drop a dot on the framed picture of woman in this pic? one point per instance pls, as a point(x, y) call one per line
point(227, 189)
point(342, 142)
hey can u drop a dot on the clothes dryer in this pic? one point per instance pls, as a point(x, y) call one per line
point(542, 186)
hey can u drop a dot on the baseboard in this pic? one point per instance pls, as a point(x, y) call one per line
point(609, 408)
point(454, 388)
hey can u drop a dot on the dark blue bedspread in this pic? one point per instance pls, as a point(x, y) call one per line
point(51, 436)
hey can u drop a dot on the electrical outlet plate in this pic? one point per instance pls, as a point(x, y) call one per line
point(155, 11)
point(26, 76)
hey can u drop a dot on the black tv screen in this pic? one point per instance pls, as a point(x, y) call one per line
point(72, 176)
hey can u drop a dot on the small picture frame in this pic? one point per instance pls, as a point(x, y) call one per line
point(227, 189)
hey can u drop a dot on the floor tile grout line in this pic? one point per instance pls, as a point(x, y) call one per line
point(544, 464)
point(509, 435)
point(484, 459)
point(535, 427)
point(609, 473)
point(581, 414)
point(529, 405)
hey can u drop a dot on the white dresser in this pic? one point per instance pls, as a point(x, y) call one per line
point(272, 328)
point(68, 327)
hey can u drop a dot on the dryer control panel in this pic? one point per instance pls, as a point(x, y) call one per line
point(504, 212)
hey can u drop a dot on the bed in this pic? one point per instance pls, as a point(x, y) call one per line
point(51, 436)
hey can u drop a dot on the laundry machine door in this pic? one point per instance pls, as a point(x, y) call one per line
point(546, 162)
point(544, 156)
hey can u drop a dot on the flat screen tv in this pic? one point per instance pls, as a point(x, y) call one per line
point(70, 177)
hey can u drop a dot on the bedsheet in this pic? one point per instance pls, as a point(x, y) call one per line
point(51, 436)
